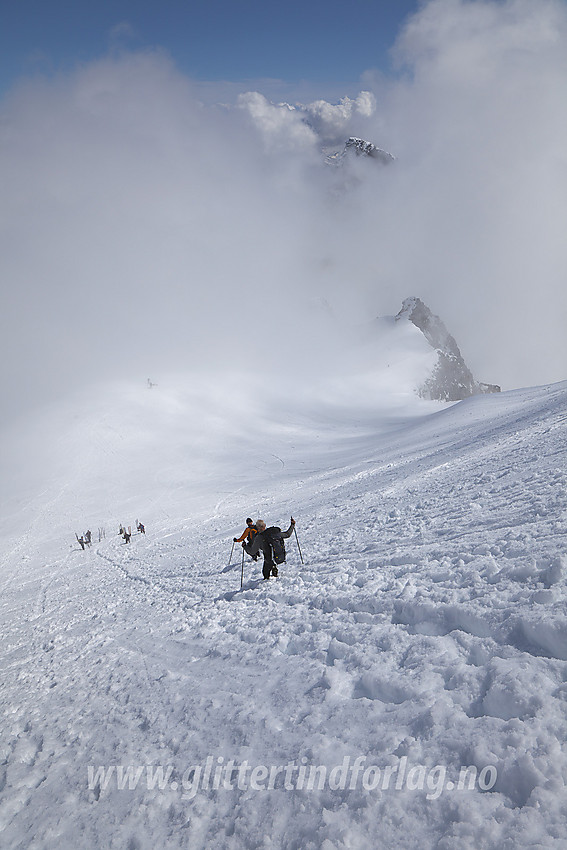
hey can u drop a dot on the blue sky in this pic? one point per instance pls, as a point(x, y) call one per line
point(326, 42)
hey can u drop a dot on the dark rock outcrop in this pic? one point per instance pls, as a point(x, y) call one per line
point(451, 379)
point(360, 147)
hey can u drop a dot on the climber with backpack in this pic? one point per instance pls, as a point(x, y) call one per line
point(249, 531)
point(269, 541)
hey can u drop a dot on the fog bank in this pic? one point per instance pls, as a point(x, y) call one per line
point(143, 231)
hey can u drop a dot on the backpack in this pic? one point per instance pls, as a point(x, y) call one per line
point(273, 537)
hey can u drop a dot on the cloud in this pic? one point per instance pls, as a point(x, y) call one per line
point(291, 126)
point(478, 123)
point(281, 125)
point(142, 230)
point(333, 120)
point(122, 33)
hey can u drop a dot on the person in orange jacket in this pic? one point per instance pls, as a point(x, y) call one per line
point(249, 532)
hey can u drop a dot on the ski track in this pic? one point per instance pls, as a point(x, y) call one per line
point(428, 621)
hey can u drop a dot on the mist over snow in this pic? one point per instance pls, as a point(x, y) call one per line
point(143, 231)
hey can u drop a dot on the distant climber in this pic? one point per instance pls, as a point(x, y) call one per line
point(141, 528)
point(269, 541)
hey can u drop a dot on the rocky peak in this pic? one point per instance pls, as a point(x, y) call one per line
point(451, 379)
point(360, 147)
point(363, 148)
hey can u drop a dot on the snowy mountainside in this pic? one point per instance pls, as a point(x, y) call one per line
point(425, 633)
point(116, 443)
point(359, 147)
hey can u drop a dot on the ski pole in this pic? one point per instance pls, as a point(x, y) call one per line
point(298, 546)
point(242, 571)
point(231, 551)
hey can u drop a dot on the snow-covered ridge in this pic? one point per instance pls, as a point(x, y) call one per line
point(359, 147)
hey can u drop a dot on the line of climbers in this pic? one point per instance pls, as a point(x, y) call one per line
point(86, 538)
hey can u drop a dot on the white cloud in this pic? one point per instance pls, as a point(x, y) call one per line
point(141, 229)
point(480, 198)
point(333, 121)
point(291, 126)
point(282, 126)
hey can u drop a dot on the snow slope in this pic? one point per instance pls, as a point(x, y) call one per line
point(335, 707)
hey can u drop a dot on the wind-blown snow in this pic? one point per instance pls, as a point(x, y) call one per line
point(424, 633)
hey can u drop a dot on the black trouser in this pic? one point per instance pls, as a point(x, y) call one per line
point(268, 566)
